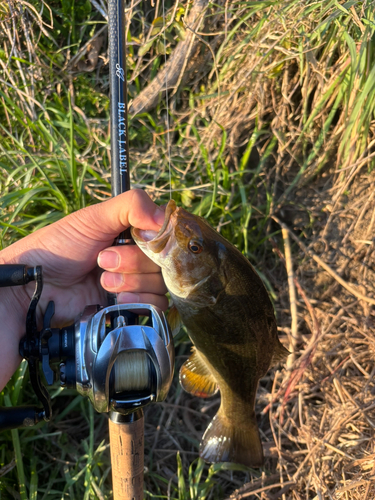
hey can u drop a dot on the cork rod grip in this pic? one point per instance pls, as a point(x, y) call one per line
point(126, 434)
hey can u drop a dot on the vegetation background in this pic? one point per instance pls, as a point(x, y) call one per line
point(271, 138)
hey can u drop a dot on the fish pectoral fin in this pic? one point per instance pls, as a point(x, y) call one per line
point(280, 353)
point(174, 320)
point(196, 378)
point(226, 441)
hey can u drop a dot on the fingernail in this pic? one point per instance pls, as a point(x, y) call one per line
point(159, 216)
point(127, 298)
point(108, 259)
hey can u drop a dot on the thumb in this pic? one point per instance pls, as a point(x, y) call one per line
point(106, 220)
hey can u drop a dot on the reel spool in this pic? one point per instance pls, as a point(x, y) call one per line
point(121, 357)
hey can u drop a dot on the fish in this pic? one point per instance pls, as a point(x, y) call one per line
point(229, 317)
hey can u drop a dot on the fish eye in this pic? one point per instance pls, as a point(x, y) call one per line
point(195, 247)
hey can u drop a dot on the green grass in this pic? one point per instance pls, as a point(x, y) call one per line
point(290, 93)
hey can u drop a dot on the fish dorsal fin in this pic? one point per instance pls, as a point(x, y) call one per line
point(196, 378)
point(280, 353)
point(174, 320)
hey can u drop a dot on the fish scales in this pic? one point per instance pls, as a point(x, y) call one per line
point(230, 319)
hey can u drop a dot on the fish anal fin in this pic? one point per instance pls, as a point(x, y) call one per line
point(280, 353)
point(196, 378)
point(174, 320)
point(224, 441)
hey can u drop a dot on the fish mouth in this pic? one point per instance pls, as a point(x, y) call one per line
point(156, 242)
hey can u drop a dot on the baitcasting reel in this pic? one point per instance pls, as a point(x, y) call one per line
point(121, 356)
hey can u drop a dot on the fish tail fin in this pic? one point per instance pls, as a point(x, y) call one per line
point(224, 441)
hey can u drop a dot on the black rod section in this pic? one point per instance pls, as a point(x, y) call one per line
point(118, 97)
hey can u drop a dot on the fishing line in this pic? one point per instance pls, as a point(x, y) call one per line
point(167, 106)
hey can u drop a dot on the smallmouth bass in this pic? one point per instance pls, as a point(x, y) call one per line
point(230, 319)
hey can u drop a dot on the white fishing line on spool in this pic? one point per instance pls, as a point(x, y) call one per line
point(133, 371)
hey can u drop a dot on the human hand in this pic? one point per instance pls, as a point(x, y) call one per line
point(68, 251)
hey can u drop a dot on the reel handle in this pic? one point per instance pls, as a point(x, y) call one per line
point(20, 416)
point(26, 416)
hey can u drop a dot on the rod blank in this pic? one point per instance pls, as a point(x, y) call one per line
point(118, 98)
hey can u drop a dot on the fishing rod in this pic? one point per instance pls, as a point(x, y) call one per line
point(121, 356)
point(126, 430)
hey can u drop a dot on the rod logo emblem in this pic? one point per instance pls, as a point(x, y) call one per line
point(120, 72)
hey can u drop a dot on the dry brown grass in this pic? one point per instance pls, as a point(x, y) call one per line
point(328, 416)
point(318, 414)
